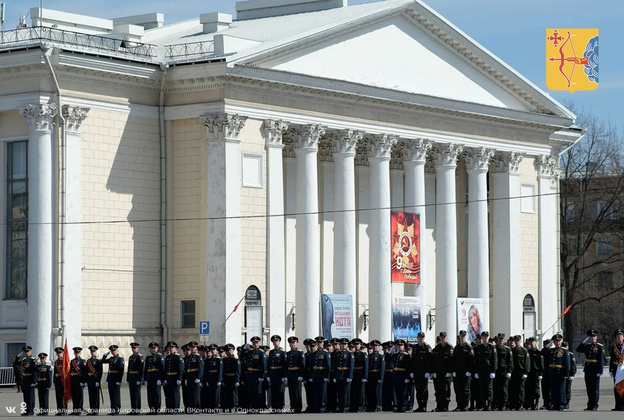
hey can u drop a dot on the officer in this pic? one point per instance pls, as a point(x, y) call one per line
point(28, 366)
point(243, 396)
point(295, 368)
point(344, 375)
point(256, 369)
point(193, 374)
point(421, 368)
point(401, 376)
point(376, 370)
point(558, 372)
point(331, 391)
point(310, 346)
point(185, 354)
point(463, 366)
point(442, 372)
point(94, 379)
point(387, 386)
point(17, 370)
point(571, 376)
point(520, 373)
point(503, 373)
point(116, 365)
point(595, 361)
point(617, 357)
point(360, 376)
point(153, 375)
point(320, 365)
point(174, 368)
point(536, 372)
point(213, 377)
point(231, 378)
point(136, 364)
point(276, 373)
point(59, 390)
point(486, 361)
point(44, 382)
point(546, 346)
point(77, 372)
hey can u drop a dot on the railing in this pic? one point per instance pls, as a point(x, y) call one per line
point(7, 377)
point(190, 50)
point(38, 35)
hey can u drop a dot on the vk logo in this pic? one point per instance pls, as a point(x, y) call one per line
point(10, 410)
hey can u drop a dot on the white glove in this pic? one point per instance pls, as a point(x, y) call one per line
point(454, 375)
point(448, 375)
point(34, 385)
point(407, 381)
point(178, 382)
point(311, 380)
point(334, 380)
point(379, 381)
point(571, 377)
point(524, 376)
point(411, 375)
point(197, 381)
point(97, 384)
point(236, 384)
point(268, 379)
point(300, 378)
point(539, 378)
point(117, 383)
point(599, 375)
point(586, 340)
point(208, 384)
point(427, 375)
point(185, 382)
point(326, 379)
point(468, 374)
point(285, 380)
point(476, 376)
point(508, 375)
point(492, 375)
point(366, 380)
point(611, 374)
point(165, 382)
point(158, 382)
point(349, 380)
point(138, 383)
point(106, 354)
point(218, 383)
point(435, 375)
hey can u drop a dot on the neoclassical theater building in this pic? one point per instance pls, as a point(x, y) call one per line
point(156, 176)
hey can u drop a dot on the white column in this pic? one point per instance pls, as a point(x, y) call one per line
point(548, 225)
point(308, 292)
point(223, 236)
point(445, 160)
point(506, 249)
point(40, 225)
point(414, 159)
point(276, 275)
point(477, 161)
point(429, 258)
point(380, 286)
point(74, 116)
point(345, 271)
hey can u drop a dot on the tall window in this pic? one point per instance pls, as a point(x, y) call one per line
point(187, 312)
point(17, 220)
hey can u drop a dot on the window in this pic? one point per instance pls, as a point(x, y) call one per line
point(13, 349)
point(187, 309)
point(604, 248)
point(17, 221)
point(527, 202)
point(569, 212)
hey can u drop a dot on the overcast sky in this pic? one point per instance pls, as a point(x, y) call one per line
point(514, 30)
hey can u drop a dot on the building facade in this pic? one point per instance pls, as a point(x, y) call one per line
point(159, 174)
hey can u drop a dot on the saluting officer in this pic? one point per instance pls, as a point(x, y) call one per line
point(29, 379)
point(295, 362)
point(463, 366)
point(193, 371)
point(535, 375)
point(174, 368)
point(486, 361)
point(558, 371)
point(153, 374)
point(277, 373)
point(116, 366)
point(135, 377)
point(94, 378)
point(503, 373)
point(376, 370)
point(521, 369)
point(59, 389)
point(77, 372)
point(443, 372)
point(44, 382)
point(595, 361)
point(213, 377)
point(360, 376)
point(231, 378)
point(617, 358)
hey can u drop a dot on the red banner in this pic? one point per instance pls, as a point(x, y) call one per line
point(67, 394)
point(405, 253)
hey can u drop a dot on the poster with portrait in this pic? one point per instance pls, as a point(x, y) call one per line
point(405, 251)
point(406, 318)
point(469, 317)
point(337, 316)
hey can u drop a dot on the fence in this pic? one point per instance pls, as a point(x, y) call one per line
point(7, 377)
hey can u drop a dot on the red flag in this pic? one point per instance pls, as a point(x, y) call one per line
point(67, 394)
point(566, 310)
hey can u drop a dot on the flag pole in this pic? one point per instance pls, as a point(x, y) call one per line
point(234, 310)
point(565, 311)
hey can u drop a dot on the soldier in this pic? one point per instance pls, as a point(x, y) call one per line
point(344, 375)
point(463, 366)
point(59, 390)
point(443, 372)
point(213, 377)
point(331, 392)
point(558, 371)
point(521, 367)
point(135, 378)
point(194, 372)
point(571, 376)
point(243, 397)
point(376, 370)
point(153, 375)
point(174, 368)
point(94, 379)
point(387, 386)
point(536, 372)
point(231, 378)
point(276, 373)
point(503, 373)
point(360, 377)
point(116, 366)
point(595, 361)
point(77, 372)
point(401, 376)
point(295, 362)
point(486, 361)
point(547, 345)
point(17, 370)
point(617, 357)
point(320, 365)
point(28, 366)
point(44, 382)
point(310, 346)
point(421, 360)
point(256, 369)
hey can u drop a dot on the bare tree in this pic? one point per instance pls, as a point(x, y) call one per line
point(592, 228)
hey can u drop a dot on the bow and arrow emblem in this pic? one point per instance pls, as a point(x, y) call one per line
point(563, 59)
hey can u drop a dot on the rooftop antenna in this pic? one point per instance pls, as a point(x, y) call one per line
point(1, 16)
point(41, 13)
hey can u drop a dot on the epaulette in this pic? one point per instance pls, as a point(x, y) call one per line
point(600, 344)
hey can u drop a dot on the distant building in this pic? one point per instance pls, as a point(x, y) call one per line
point(156, 174)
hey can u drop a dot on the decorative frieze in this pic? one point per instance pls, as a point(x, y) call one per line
point(223, 126)
point(506, 162)
point(40, 117)
point(273, 130)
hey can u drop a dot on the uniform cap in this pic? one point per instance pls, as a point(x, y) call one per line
point(443, 334)
point(500, 335)
point(255, 338)
point(531, 339)
point(357, 341)
point(462, 333)
point(618, 331)
point(153, 345)
point(265, 347)
point(172, 344)
point(42, 355)
point(184, 347)
point(58, 350)
point(400, 342)
point(307, 342)
point(93, 348)
point(517, 338)
point(77, 349)
point(485, 334)
point(202, 348)
point(113, 347)
point(344, 341)
point(421, 334)
point(557, 337)
point(293, 339)
point(319, 338)
point(276, 337)
point(592, 332)
point(26, 348)
point(564, 344)
point(229, 346)
point(375, 343)
point(192, 344)
point(133, 344)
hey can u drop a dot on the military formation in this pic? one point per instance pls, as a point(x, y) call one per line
point(335, 376)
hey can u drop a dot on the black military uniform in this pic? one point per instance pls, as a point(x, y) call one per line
point(595, 361)
point(94, 380)
point(134, 377)
point(376, 370)
point(116, 366)
point(387, 386)
point(276, 373)
point(503, 373)
point(193, 374)
point(295, 365)
point(536, 372)
point(486, 361)
point(213, 377)
point(78, 374)
point(320, 365)
point(360, 377)
point(309, 345)
point(546, 346)
point(44, 382)
point(421, 368)
point(520, 374)
point(401, 376)
point(442, 372)
point(173, 370)
point(17, 370)
point(571, 376)
point(343, 375)
point(153, 374)
point(59, 389)
point(231, 378)
point(28, 366)
point(558, 371)
point(463, 367)
point(256, 369)
point(331, 394)
point(617, 357)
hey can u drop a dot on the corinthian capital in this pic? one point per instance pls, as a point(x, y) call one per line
point(40, 117)
point(446, 154)
point(416, 150)
point(273, 130)
point(346, 141)
point(506, 162)
point(478, 158)
point(546, 166)
point(307, 136)
point(223, 126)
point(381, 146)
point(74, 116)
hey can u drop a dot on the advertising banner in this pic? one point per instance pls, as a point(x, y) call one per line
point(469, 318)
point(405, 253)
point(337, 318)
point(406, 318)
